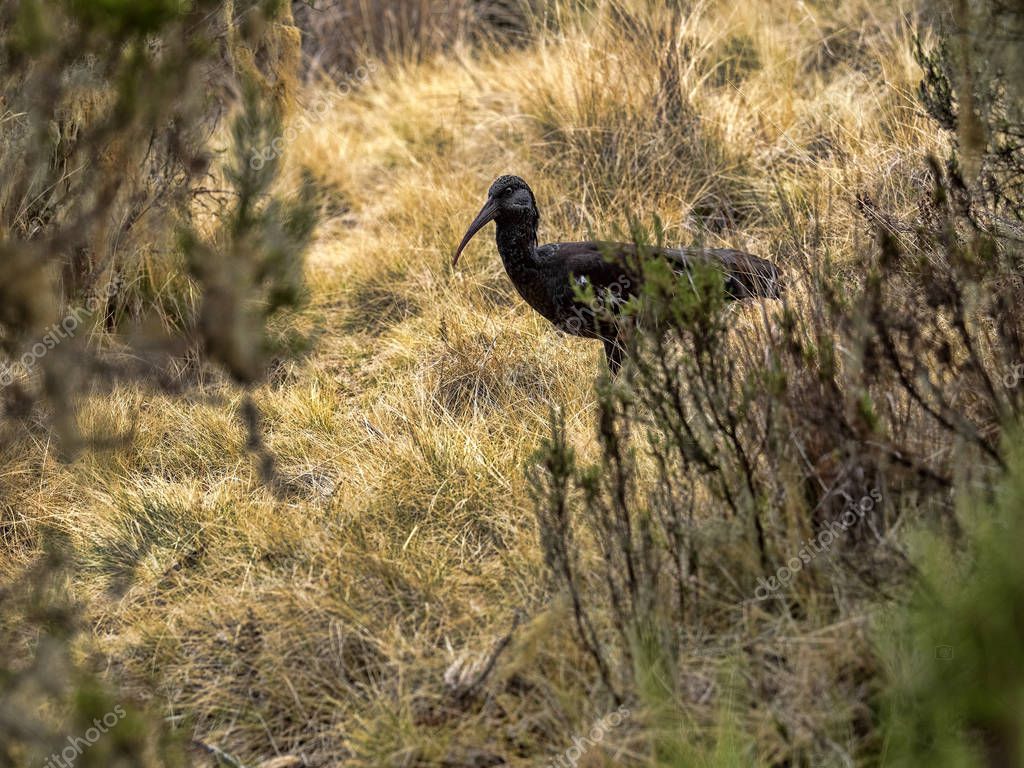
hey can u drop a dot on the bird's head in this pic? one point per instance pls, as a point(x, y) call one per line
point(509, 200)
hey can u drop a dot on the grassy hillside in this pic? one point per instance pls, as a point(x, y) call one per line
point(340, 617)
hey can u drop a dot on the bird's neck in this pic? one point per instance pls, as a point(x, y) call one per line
point(517, 245)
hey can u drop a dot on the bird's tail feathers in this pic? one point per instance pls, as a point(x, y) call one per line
point(748, 276)
point(762, 279)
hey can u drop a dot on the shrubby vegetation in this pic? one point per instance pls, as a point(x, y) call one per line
point(117, 186)
point(138, 245)
point(734, 442)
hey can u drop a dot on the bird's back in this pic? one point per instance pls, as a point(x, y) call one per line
point(606, 264)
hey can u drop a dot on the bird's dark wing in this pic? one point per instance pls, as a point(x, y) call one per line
point(608, 264)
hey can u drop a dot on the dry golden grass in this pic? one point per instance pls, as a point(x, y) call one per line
point(321, 623)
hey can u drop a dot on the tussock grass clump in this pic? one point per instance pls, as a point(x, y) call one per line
point(619, 120)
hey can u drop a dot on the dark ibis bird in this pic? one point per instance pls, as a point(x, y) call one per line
point(553, 278)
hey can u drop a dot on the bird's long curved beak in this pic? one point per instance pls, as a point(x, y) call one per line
point(487, 214)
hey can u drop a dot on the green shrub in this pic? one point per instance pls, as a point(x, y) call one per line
point(55, 707)
point(952, 654)
point(113, 181)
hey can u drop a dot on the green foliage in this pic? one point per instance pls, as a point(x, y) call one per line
point(731, 442)
point(723, 743)
point(108, 149)
point(109, 157)
point(134, 17)
point(54, 707)
point(955, 696)
point(249, 269)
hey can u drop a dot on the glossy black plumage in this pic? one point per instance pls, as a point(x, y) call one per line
point(548, 276)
